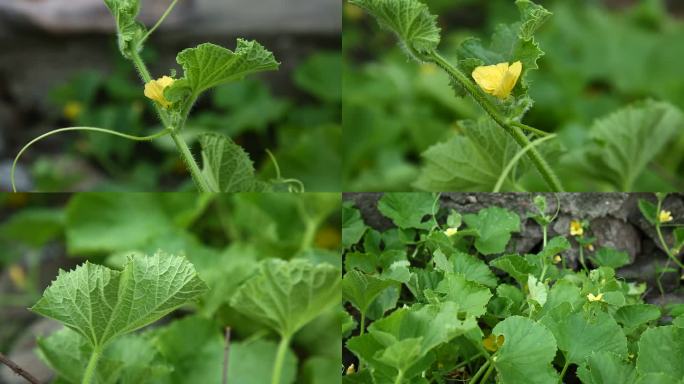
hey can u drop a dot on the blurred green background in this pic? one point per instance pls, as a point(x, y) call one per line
point(61, 67)
point(224, 236)
point(600, 56)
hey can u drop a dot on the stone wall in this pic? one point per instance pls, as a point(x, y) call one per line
point(615, 220)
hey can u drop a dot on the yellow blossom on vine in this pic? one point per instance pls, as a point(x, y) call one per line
point(557, 259)
point(72, 110)
point(492, 342)
point(590, 247)
point(451, 231)
point(598, 297)
point(18, 276)
point(351, 369)
point(576, 228)
point(499, 79)
point(664, 216)
point(155, 90)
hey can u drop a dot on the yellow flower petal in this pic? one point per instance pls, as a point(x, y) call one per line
point(598, 297)
point(72, 110)
point(557, 259)
point(499, 79)
point(665, 216)
point(155, 90)
point(576, 228)
point(451, 231)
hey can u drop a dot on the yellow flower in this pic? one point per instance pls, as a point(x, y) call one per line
point(498, 80)
point(576, 228)
point(556, 259)
point(155, 90)
point(351, 370)
point(451, 231)
point(665, 216)
point(18, 276)
point(72, 110)
point(590, 247)
point(493, 343)
point(598, 297)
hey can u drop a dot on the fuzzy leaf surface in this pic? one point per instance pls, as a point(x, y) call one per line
point(287, 295)
point(101, 303)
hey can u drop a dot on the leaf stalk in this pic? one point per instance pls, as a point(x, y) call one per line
point(512, 128)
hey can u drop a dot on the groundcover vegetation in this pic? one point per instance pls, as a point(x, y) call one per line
point(181, 288)
point(510, 96)
point(438, 299)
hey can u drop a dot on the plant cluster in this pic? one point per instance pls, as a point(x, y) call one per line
point(234, 291)
point(225, 166)
point(496, 143)
point(441, 298)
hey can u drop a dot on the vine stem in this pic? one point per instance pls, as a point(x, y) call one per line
point(18, 370)
point(159, 22)
point(280, 359)
point(92, 365)
point(516, 158)
point(400, 377)
point(82, 129)
point(512, 128)
point(661, 239)
point(486, 375)
point(200, 181)
point(565, 368)
point(479, 372)
point(226, 355)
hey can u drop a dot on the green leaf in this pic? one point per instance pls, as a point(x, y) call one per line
point(471, 297)
point(130, 31)
point(102, 304)
point(250, 362)
point(599, 333)
point(514, 265)
point(227, 167)
point(408, 209)
point(127, 360)
point(649, 210)
point(353, 226)
point(625, 142)
point(320, 75)
point(606, 368)
point(538, 290)
point(361, 289)
point(287, 295)
point(678, 234)
point(509, 43)
point(470, 267)
point(658, 378)
point(110, 222)
point(533, 16)
point(661, 350)
point(404, 339)
point(415, 27)
point(527, 352)
point(635, 315)
point(610, 257)
point(33, 227)
point(320, 370)
point(472, 161)
point(494, 226)
point(209, 65)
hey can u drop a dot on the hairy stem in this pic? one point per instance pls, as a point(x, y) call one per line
point(86, 129)
point(280, 359)
point(182, 146)
point(189, 160)
point(89, 374)
point(514, 130)
point(18, 370)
